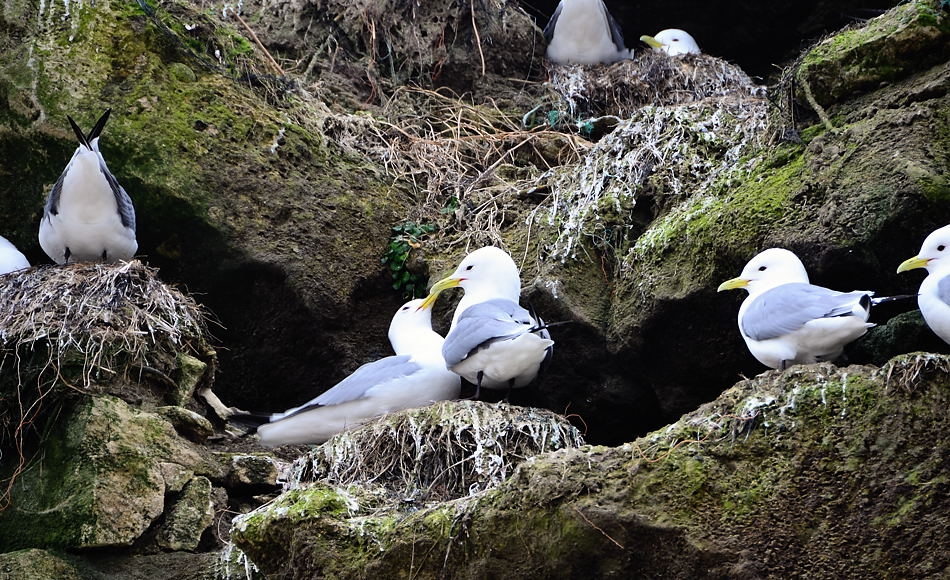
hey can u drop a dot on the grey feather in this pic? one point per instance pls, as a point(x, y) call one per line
point(362, 380)
point(615, 34)
point(788, 307)
point(52, 202)
point(943, 290)
point(122, 199)
point(549, 29)
point(483, 324)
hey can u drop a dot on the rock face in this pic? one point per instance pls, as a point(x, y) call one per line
point(270, 187)
point(820, 471)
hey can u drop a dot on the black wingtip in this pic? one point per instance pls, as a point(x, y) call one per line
point(79, 134)
point(100, 125)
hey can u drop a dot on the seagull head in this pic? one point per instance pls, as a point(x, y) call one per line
point(484, 274)
point(672, 41)
point(934, 253)
point(768, 269)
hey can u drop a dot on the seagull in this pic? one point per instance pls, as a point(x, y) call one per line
point(584, 32)
point(672, 41)
point(493, 342)
point(414, 377)
point(11, 259)
point(934, 295)
point(785, 320)
point(88, 216)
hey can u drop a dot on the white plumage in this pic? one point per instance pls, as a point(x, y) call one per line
point(785, 320)
point(11, 259)
point(673, 42)
point(584, 32)
point(415, 377)
point(933, 298)
point(88, 215)
point(493, 341)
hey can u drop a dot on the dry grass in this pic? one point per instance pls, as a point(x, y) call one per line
point(448, 450)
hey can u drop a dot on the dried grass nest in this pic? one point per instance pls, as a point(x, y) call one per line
point(83, 325)
point(447, 450)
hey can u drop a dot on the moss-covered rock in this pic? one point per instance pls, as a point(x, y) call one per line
point(101, 479)
point(819, 471)
point(35, 564)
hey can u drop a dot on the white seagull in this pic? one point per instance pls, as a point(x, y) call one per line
point(785, 320)
point(584, 32)
point(934, 295)
point(415, 377)
point(672, 41)
point(11, 259)
point(493, 342)
point(88, 216)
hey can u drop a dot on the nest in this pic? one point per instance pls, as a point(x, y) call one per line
point(87, 328)
point(448, 450)
point(650, 79)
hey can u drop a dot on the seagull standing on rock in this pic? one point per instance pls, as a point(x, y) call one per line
point(415, 377)
point(88, 215)
point(584, 32)
point(11, 259)
point(934, 295)
point(785, 320)
point(673, 42)
point(493, 342)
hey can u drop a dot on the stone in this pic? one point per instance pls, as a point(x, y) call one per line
point(188, 517)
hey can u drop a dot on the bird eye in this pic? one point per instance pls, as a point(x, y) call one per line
point(941, 247)
point(762, 268)
point(469, 267)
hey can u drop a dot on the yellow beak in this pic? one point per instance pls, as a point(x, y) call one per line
point(733, 284)
point(651, 41)
point(912, 264)
point(437, 289)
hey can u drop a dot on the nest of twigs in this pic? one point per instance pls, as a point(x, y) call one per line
point(448, 450)
point(84, 326)
point(652, 78)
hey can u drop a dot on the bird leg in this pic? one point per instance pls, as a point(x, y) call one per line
point(511, 386)
point(478, 387)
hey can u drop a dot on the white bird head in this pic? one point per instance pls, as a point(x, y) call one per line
point(673, 41)
point(408, 322)
point(933, 255)
point(768, 269)
point(484, 274)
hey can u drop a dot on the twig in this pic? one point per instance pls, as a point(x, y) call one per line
point(260, 45)
point(593, 525)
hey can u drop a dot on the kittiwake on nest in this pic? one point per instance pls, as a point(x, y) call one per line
point(584, 32)
point(88, 215)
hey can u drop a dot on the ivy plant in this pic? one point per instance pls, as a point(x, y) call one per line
point(406, 236)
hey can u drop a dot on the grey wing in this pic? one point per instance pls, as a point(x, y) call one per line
point(787, 308)
point(615, 34)
point(122, 199)
point(358, 384)
point(366, 377)
point(484, 323)
point(943, 290)
point(549, 29)
point(52, 201)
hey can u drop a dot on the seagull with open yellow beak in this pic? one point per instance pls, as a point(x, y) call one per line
point(493, 342)
point(933, 298)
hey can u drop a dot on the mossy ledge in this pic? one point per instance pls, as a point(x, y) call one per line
point(779, 477)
